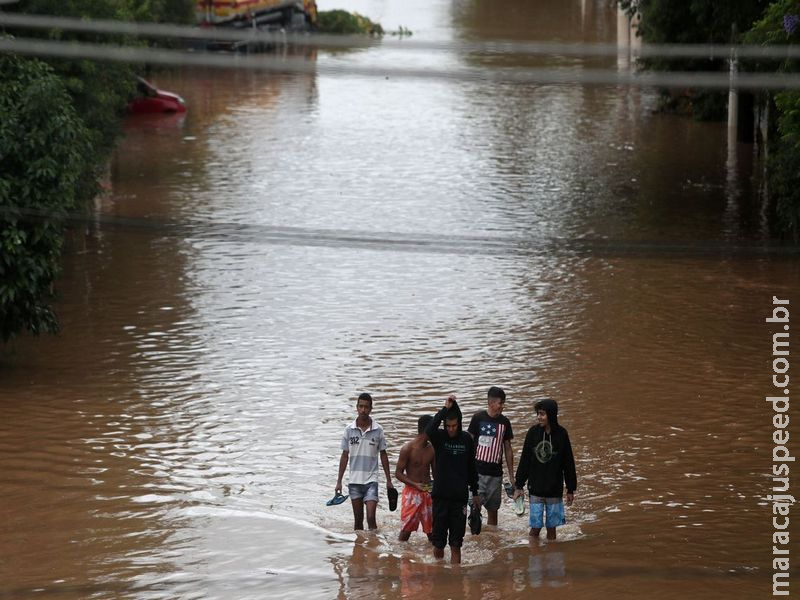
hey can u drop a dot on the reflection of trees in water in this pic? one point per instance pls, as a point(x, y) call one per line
point(542, 20)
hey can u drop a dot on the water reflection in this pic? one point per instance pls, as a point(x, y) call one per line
point(546, 570)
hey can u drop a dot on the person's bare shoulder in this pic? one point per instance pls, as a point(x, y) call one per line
point(406, 449)
point(425, 452)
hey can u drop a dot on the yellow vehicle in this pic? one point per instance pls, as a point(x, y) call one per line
point(217, 12)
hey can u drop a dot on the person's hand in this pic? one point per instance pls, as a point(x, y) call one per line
point(338, 489)
point(570, 498)
point(448, 404)
point(476, 501)
point(518, 492)
point(389, 485)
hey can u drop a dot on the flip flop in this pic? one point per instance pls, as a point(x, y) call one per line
point(519, 506)
point(392, 493)
point(509, 490)
point(337, 499)
point(474, 520)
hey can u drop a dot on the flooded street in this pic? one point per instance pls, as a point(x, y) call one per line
point(296, 239)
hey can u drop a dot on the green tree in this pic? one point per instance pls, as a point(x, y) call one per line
point(59, 120)
point(341, 21)
point(101, 90)
point(694, 22)
point(163, 11)
point(44, 154)
point(780, 24)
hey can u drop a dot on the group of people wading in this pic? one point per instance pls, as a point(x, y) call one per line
point(443, 467)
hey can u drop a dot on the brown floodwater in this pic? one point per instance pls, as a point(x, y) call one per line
point(295, 239)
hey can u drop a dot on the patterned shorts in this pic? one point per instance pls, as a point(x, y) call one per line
point(416, 510)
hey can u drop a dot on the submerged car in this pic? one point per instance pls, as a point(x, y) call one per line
point(151, 100)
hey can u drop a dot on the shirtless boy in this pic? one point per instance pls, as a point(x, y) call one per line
point(414, 468)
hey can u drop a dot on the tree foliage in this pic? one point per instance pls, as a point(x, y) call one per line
point(694, 22)
point(341, 21)
point(155, 11)
point(101, 90)
point(781, 25)
point(44, 155)
point(59, 120)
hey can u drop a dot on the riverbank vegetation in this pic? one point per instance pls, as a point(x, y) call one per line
point(692, 22)
point(59, 120)
point(46, 169)
point(746, 21)
point(341, 21)
point(781, 25)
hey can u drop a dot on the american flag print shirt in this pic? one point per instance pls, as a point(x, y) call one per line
point(490, 442)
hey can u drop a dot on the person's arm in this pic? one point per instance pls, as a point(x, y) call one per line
point(386, 470)
point(570, 476)
point(400, 467)
point(524, 460)
point(509, 452)
point(473, 427)
point(342, 466)
point(472, 474)
point(433, 426)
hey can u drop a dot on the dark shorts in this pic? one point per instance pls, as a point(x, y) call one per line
point(489, 488)
point(449, 517)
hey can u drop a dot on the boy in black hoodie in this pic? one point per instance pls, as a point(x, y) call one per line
point(547, 464)
point(455, 473)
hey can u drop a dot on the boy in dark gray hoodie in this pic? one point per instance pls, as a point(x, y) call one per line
point(547, 464)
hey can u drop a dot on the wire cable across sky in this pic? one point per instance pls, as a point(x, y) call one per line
point(574, 75)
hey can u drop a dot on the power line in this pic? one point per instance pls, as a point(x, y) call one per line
point(266, 62)
point(159, 30)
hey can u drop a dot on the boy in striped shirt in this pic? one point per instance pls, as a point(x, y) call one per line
point(362, 443)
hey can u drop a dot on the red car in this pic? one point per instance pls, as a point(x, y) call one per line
point(149, 100)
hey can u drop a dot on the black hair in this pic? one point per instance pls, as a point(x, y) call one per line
point(549, 406)
point(496, 392)
point(422, 422)
point(367, 397)
point(452, 414)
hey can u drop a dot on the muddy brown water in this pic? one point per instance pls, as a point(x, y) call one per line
point(296, 239)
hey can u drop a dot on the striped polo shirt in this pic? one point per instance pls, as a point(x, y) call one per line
point(364, 448)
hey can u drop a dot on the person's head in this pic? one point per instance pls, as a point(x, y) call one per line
point(496, 400)
point(422, 422)
point(364, 405)
point(452, 420)
point(452, 423)
point(547, 413)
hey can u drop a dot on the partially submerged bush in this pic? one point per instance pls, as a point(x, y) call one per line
point(341, 21)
